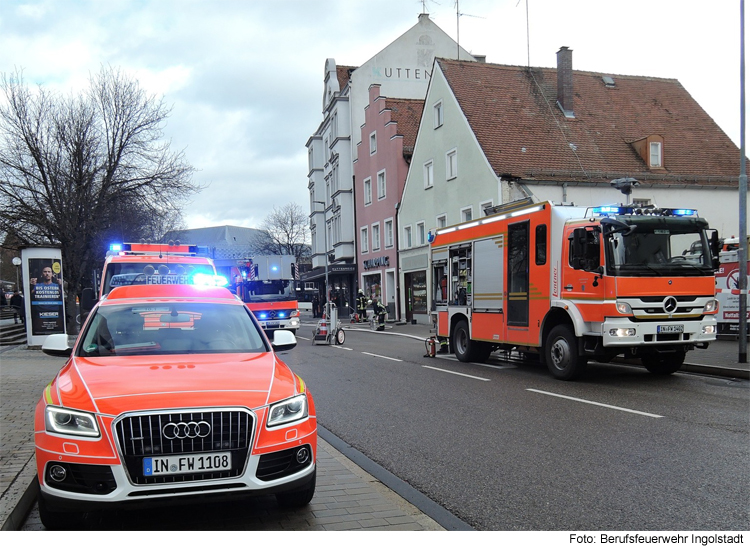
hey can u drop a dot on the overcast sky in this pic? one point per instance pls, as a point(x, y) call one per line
point(245, 78)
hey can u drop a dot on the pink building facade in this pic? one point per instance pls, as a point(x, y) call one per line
point(380, 168)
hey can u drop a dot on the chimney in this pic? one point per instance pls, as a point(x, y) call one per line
point(565, 81)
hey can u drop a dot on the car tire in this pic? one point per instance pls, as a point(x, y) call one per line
point(60, 520)
point(462, 344)
point(561, 354)
point(299, 497)
point(664, 364)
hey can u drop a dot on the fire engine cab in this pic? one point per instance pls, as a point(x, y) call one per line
point(151, 264)
point(267, 286)
point(573, 284)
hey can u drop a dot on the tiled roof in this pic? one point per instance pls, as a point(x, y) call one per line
point(407, 113)
point(513, 113)
point(342, 74)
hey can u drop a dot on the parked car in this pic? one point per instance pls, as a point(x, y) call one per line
point(171, 392)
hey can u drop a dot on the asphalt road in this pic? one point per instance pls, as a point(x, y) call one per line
point(506, 447)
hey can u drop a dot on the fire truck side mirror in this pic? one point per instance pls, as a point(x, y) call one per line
point(584, 250)
point(87, 300)
point(715, 243)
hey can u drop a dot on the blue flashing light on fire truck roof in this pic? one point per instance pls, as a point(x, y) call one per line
point(608, 210)
point(208, 280)
point(115, 247)
point(631, 210)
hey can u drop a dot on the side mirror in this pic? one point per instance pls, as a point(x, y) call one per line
point(584, 249)
point(715, 245)
point(88, 300)
point(283, 340)
point(57, 345)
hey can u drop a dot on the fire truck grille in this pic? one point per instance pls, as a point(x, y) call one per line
point(184, 433)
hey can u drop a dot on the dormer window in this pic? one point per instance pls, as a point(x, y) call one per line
point(651, 151)
point(654, 149)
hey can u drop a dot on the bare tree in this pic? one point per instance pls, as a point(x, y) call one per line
point(79, 171)
point(287, 232)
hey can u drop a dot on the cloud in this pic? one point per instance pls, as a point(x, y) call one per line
point(245, 79)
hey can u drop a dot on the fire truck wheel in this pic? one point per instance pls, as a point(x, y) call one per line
point(665, 364)
point(561, 354)
point(462, 344)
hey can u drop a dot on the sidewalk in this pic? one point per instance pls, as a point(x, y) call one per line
point(353, 492)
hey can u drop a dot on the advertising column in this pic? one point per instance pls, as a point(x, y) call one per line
point(43, 284)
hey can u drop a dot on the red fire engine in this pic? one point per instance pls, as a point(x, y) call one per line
point(267, 286)
point(573, 284)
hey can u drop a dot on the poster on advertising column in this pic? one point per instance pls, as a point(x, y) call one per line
point(47, 312)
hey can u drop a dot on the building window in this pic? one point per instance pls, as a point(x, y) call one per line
point(368, 191)
point(375, 236)
point(484, 206)
point(655, 154)
point(437, 110)
point(466, 214)
point(373, 143)
point(642, 202)
point(388, 232)
point(420, 233)
point(363, 242)
point(407, 236)
point(441, 221)
point(451, 164)
point(381, 185)
point(429, 175)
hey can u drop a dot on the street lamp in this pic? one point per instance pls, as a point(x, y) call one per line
point(325, 257)
point(17, 262)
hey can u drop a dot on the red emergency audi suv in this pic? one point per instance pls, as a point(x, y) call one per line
point(171, 392)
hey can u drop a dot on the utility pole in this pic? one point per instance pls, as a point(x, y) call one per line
point(743, 200)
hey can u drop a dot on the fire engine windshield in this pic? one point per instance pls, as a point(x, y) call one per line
point(137, 273)
point(267, 290)
point(658, 246)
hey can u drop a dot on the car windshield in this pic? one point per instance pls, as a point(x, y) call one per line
point(140, 273)
point(657, 246)
point(170, 328)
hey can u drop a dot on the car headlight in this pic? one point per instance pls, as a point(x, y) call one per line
point(287, 411)
point(63, 421)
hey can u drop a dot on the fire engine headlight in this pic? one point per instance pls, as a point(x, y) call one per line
point(711, 307)
point(63, 421)
point(287, 411)
point(622, 332)
point(709, 329)
point(624, 308)
point(294, 314)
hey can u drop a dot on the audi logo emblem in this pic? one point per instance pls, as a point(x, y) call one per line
point(186, 430)
point(670, 305)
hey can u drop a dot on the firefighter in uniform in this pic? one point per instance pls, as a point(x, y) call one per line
point(361, 305)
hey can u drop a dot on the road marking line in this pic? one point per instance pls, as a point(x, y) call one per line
point(381, 356)
point(488, 365)
point(455, 373)
point(594, 403)
point(342, 347)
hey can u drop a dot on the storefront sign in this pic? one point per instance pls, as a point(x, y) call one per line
point(376, 262)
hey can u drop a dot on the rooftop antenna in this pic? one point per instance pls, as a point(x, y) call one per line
point(458, 41)
point(528, 48)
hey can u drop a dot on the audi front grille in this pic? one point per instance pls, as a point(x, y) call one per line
point(187, 433)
